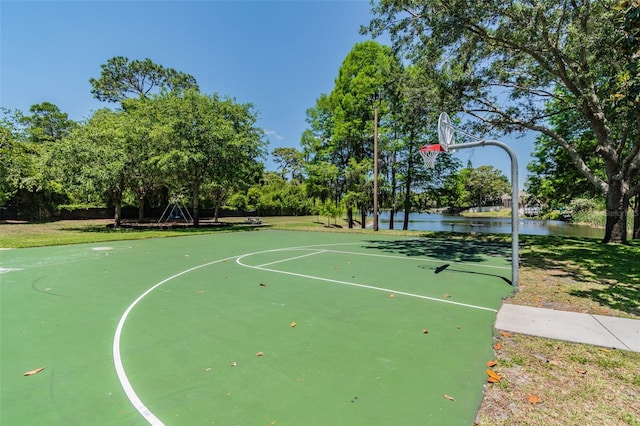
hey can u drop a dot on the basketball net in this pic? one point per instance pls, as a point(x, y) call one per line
point(429, 154)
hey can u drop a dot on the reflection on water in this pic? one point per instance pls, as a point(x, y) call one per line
point(447, 223)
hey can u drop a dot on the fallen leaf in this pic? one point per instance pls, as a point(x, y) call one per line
point(262, 285)
point(293, 324)
point(534, 399)
point(425, 331)
point(492, 363)
point(497, 346)
point(446, 295)
point(32, 372)
point(392, 295)
point(493, 375)
point(493, 380)
point(582, 371)
point(506, 333)
point(554, 362)
point(233, 364)
point(603, 349)
point(260, 354)
point(449, 397)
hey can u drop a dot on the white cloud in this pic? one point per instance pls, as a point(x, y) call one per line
point(272, 134)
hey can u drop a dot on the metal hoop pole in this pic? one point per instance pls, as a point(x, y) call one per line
point(515, 202)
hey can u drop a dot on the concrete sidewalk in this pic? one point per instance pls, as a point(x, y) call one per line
point(610, 332)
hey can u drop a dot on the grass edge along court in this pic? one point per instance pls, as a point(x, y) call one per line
point(273, 327)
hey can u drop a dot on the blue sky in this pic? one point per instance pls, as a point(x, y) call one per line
point(278, 55)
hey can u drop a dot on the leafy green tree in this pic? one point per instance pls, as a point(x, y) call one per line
point(509, 57)
point(121, 78)
point(275, 195)
point(119, 81)
point(331, 210)
point(341, 124)
point(6, 150)
point(145, 134)
point(359, 184)
point(485, 185)
point(322, 181)
point(211, 140)
point(455, 193)
point(290, 161)
point(415, 107)
point(26, 180)
point(46, 123)
point(94, 158)
point(553, 177)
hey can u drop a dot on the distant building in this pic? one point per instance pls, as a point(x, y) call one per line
point(528, 205)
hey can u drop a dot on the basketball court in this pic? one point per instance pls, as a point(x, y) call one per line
point(251, 328)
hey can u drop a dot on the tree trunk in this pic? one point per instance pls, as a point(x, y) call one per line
point(393, 190)
point(117, 217)
point(636, 218)
point(363, 218)
point(118, 214)
point(407, 202)
point(617, 207)
point(140, 209)
point(117, 200)
point(196, 206)
point(407, 189)
point(350, 217)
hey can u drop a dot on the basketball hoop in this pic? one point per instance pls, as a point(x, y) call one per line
point(445, 131)
point(429, 154)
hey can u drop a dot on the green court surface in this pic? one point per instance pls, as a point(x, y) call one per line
point(199, 330)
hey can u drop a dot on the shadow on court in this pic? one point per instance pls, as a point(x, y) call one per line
point(446, 250)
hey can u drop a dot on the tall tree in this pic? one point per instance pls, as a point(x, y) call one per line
point(486, 185)
point(511, 55)
point(342, 122)
point(416, 107)
point(145, 135)
point(26, 179)
point(212, 140)
point(290, 161)
point(94, 158)
point(47, 123)
point(121, 78)
point(553, 177)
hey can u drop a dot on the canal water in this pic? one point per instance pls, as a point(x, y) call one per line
point(448, 223)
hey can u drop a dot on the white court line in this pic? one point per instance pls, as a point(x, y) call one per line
point(370, 287)
point(117, 358)
point(420, 259)
point(291, 258)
